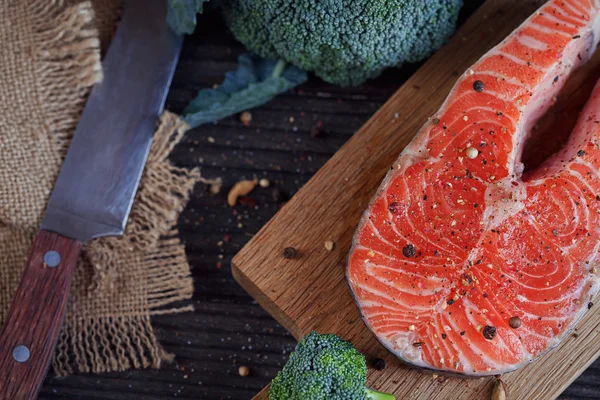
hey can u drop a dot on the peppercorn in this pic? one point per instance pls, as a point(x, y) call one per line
point(514, 322)
point(478, 86)
point(489, 332)
point(379, 364)
point(409, 251)
point(289, 253)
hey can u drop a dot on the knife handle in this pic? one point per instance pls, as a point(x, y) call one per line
point(32, 325)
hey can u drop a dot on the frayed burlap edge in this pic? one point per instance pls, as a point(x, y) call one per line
point(67, 64)
point(117, 343)
point(103, 343)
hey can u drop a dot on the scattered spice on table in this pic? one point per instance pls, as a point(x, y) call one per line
point(240, 189)
point(379, 364)
point(289, 253)
point(264, 183)
point(246, 118)
point(329, 245)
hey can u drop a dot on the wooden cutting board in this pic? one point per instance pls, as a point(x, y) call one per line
point(310, 292)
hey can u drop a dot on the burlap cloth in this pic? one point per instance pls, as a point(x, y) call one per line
point(49, 60)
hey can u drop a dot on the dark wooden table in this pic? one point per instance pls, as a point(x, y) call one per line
point(228, 329)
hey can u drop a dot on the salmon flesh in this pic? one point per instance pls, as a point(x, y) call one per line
point(461, 262)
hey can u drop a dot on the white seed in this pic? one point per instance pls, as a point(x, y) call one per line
point(264, 183)
point(210, 139)
point(411, 328)
point(472, 152)
point(329, 245)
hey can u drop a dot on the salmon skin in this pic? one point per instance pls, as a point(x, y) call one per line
point(463, 264)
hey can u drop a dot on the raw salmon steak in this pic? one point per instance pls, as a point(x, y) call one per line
point(461, 263)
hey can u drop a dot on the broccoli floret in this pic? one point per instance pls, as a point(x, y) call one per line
point(343, 42)
point(324, 367)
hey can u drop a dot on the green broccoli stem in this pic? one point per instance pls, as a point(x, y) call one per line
point(279, 68)
point(374, 395)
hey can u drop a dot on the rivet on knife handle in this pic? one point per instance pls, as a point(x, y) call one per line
point(36, 314)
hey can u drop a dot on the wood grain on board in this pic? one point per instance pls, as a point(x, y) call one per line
point(310, 292)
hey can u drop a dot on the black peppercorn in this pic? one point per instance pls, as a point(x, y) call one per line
point(489, 332)
point(379, 364)
point(478, 86)
point(409, 251)
point(289, 253)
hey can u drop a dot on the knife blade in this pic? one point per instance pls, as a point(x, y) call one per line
point(94, 191)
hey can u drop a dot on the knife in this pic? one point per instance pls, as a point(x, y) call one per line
point(94, 191)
